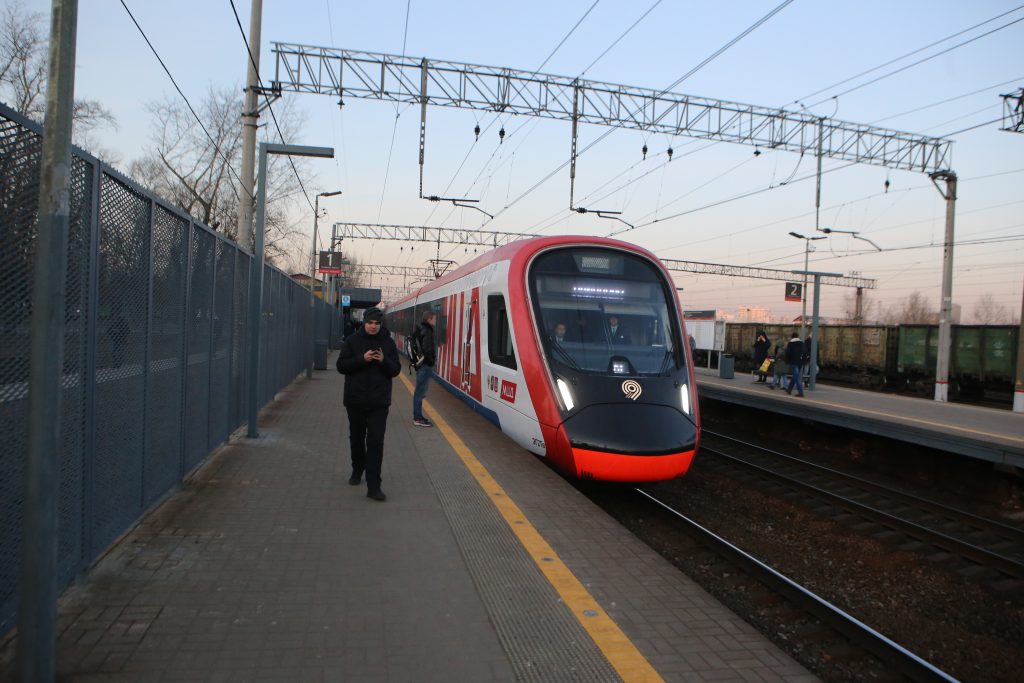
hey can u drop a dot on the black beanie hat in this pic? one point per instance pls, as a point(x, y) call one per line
point(373, 314)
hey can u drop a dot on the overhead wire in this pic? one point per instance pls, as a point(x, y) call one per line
point(270, 108)
point(216, 146)
point(675, 83)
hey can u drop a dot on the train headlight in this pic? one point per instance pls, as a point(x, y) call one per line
point(685, 391)
point(563, 389)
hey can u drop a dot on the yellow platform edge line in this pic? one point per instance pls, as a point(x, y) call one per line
point(615, 645)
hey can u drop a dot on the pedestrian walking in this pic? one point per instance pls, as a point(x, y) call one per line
point(795, 359)
point(369, 361)
point(425, 341)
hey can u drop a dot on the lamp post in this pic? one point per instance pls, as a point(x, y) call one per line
point(312, 279)
point(255, 319)
point(807, 255)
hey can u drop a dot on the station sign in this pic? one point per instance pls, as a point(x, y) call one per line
point(330, 262)
point(794, 291)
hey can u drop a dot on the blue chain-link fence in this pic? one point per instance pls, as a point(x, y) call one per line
point(154, 349)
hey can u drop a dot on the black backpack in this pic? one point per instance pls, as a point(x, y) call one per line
point(416, 356)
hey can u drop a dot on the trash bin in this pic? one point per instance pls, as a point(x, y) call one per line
point(320, 354)
point(726, 366)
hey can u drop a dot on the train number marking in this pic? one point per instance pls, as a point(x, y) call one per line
point(538, 443)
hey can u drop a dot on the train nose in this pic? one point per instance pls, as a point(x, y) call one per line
point(631, 429)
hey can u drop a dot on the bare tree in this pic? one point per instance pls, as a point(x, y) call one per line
point(914, 310)
point(23, 73)
point(989, 312)
point(196, 171)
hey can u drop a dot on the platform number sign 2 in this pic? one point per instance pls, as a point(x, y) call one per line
point(794, 291)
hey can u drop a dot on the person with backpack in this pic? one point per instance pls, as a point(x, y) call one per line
point(423, 356)
point(369, 361)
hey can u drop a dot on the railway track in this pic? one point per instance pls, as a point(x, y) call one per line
point(975, 546)
point(847, 629)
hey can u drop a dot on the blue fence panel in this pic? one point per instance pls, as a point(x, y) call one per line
point(121, 371)
point(155, 354)
point(164, 447)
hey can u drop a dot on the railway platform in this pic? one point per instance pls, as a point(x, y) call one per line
point(483, 565)
point(984, 433)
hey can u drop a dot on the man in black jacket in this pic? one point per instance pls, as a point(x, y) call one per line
point(425, 336)
point(369, 361)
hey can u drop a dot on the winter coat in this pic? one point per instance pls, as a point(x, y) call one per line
point(427, 346)
point(761, 347)
point(795, 352)
point(368, 384)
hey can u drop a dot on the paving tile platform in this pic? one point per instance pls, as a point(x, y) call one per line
point(269, 566)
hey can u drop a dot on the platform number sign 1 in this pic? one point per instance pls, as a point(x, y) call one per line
point(794, 291)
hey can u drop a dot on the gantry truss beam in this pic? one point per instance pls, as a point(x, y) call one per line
point(408, 233)
point(390, 271)
point(369, 75)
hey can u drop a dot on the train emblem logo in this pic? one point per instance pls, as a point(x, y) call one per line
point(631, 388)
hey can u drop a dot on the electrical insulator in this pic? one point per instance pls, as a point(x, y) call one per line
point(476, 131)
point(757, 152)
point(887, 185)
point(644, 150)
point(670, 154)
point(501, 135)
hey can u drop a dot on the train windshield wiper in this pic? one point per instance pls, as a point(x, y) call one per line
point(664, 362)
point(569, 360)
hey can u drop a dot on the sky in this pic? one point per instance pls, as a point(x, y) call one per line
point(799, 58)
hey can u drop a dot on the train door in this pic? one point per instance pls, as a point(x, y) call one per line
point(470, 362)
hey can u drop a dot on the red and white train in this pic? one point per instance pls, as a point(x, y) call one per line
point(573, 346)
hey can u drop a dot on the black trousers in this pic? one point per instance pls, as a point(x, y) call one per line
point(366, 427)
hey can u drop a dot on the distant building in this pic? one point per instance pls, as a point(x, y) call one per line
point(753, 314)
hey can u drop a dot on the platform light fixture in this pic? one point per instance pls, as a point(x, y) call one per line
point(803, 293)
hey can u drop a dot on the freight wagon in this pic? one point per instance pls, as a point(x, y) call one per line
point(900, 357)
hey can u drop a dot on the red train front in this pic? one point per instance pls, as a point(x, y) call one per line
point(576, 348)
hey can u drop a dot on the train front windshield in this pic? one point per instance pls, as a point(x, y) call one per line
point(604, 311)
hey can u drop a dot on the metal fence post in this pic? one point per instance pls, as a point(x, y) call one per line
point(88, 378)
point(186, 329)
point(147, 355)
point(209, 345)
point(37, 611)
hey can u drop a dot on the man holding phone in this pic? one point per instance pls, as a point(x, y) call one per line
point(369, 361)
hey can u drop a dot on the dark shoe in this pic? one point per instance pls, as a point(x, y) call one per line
point(788, 391)
point(377, 495)
point(799, 395)
point(355, 480)
point(423, 422)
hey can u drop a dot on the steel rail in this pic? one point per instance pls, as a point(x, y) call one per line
point(966, 550)
point(1011, 533)
point(899, 657)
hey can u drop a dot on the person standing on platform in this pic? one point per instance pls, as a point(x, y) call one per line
point(369, 361)
point(761, 347)
point(795, 359)
point(425, 337)
point(779, 367)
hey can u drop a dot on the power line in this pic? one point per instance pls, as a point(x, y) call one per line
point(920, 61)
point(904, 56)
point(980, 125)
point(946, 101)
point(273, 116)
point(692, 71)
point(216, 147)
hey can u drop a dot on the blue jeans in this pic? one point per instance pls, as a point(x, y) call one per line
point(423, 376)
point(794, 379)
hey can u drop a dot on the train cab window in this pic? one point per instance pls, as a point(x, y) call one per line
point(499, 335)
point(605, 311)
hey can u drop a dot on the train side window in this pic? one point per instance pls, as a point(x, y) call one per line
point(499, 335)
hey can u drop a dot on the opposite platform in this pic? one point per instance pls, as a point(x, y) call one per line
point(984, 433)
point(269, 566)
